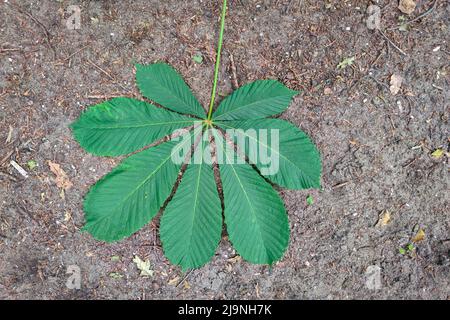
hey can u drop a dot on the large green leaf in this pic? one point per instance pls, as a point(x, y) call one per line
point(255, 216)
point(162, 83)
point(298, 159)
point(123, 125)
point(191, 224)
point(130, 195)
point(255, 100)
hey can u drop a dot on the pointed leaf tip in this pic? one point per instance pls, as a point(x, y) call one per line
point(123, 125)
point(255, 100)
point(255, 216)
point(118, 205)
point(161, 83)
point(191, 225)
point(294, 161)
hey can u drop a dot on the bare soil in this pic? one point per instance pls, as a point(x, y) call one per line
point(376, 147)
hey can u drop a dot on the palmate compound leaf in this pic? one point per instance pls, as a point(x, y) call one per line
point(123, 125)
point(191, 225)
point(129, 196)
point(255, 217)
point(282, 152)
point(256, 100)
point(161, 83)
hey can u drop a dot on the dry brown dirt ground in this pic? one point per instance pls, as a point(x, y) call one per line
point(376, 147)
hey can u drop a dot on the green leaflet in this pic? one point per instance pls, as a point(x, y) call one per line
point(123, 125)
point(191, 225)
point(128, 197)
point(162, 83)
point(255, 216)
point(299, 164)
point(255, 100)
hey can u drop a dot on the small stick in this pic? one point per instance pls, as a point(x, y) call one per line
point(103, 96)
point(19, 169)
point(379, 82)
point(410, 163)
point(419, 16)
point(392, 123)
point(108, 75)
point(340, 185)
point(8, 139)
point(78, 51)
point(2, 50)
point(184, 278)
point(4, 174)
point(9, 154)
point(234, 81)
point(392, 43)
point(377, 58)
point(425, 13)
point(48, 36)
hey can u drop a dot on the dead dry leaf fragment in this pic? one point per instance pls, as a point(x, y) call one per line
point(396, 83)
point(61, 179)
point(420, 236)
point(67, 216)
point(143, 266)
point(174, 281)
point(346, 62)
point(115, 275)
point(384, 219)
point(234, 259)
point(438, 153)
point(115, 258)
point(407, 6)
point(186, 285)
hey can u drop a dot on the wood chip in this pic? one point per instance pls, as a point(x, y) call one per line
point(19, 169)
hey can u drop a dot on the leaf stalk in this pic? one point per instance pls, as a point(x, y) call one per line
point(219, 51)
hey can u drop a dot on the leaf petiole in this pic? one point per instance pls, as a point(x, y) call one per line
point(219, 50)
